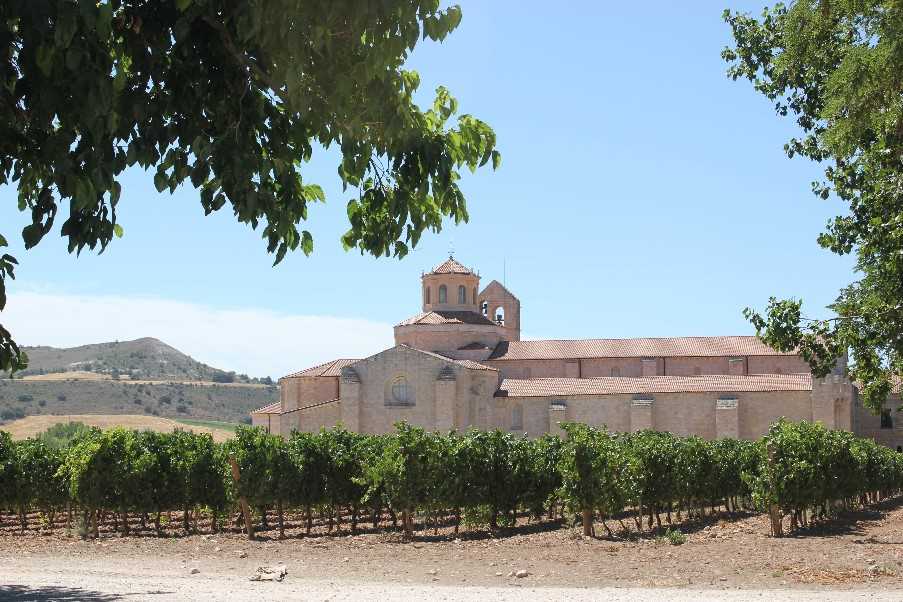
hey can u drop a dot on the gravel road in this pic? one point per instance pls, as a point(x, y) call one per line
point(44, 582)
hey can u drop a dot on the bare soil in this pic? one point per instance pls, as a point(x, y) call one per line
point(860, 551)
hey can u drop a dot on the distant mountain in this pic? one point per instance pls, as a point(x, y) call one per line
point(141, 359)
point(145, 376)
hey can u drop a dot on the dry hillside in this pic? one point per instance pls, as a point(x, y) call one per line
point(35, 425)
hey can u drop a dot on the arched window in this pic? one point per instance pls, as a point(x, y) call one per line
point(426, 295)
point(462, 295)
point(484, 307)
point(499, 315)
point(443, 294)
point(400, 392)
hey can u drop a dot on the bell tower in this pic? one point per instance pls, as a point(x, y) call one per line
point(450, 287)
point(499, 305)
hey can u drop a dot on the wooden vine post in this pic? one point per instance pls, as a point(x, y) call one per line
point(774, 513)
point(245, 509)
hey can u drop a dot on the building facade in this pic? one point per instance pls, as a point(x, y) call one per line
point(460, 363)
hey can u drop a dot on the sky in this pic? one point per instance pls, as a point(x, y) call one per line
point(641, 193)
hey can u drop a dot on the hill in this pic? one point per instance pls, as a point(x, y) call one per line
point(142, 359)
point(144, 376)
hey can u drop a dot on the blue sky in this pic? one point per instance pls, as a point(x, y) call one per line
point(641, 193)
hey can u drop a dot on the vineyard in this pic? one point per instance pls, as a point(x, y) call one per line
point(415, 481)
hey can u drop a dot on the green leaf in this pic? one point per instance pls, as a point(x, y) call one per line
point(161, 182)
point(117, 230)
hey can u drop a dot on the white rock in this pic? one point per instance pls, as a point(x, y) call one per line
point(242, 554)
point(521, 574)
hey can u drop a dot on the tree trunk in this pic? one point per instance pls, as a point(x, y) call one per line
point(587, 523)
point(157, 523)
point(96, 531)
point(309, 520)
point(457, 520)
point(23, 518)
point(125, 524)
point(281, 521)
point(186, 520)
point(408, 524)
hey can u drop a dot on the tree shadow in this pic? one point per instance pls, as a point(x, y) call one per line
point(55, 593)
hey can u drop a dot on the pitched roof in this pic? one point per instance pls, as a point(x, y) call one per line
point(607, 385)
point(451, 266)
point(273, 408)
point(333, 368)
point(470, 365)
point(646, 347)
point(448, 317)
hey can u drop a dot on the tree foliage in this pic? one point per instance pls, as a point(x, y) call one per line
point(836, 67)
point(233, 97)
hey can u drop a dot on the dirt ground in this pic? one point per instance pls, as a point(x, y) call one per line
point(31, 426)
point(861, 551)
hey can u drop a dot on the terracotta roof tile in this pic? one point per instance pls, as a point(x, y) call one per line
point(313, 405)
point(470, 365)
point(333, 368)
point(473, 347)
point(647, 347)
point(716, 383)
point(447, 317)
point(451, 266)
point(273, 408)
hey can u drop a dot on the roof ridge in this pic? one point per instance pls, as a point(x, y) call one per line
point(463, 363)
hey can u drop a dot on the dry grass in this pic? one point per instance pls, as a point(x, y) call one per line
point(83, 375)
point(74, 375)
point(35, 425)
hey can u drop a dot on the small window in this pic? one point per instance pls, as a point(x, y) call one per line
point(616, 372)
point(443, 294)
point(517, 418)
point(426, 295)
point(462, 295)
point(499, 314)
point(887, 422)
point(484, 307)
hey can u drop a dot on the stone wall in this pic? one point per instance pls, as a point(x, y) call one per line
point(313, 418)
point(446, 337)
point(443, 394)
point(747, 415)
point(868, 424)
point(302, 391)
point(633, 366)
